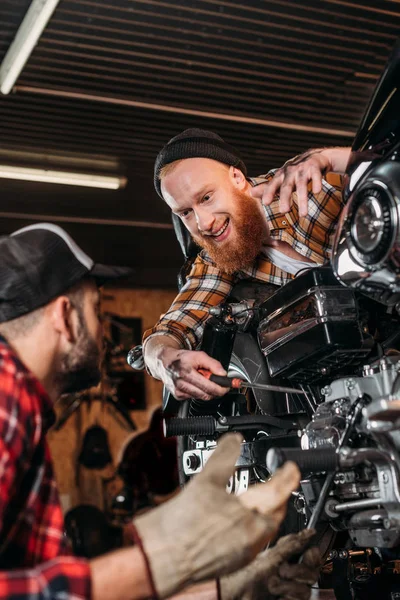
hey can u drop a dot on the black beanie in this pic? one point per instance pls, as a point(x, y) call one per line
point(196, 143)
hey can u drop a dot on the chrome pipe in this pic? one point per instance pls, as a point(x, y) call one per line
point(357, 504)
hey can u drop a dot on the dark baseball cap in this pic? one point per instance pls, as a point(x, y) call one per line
point(39, 263)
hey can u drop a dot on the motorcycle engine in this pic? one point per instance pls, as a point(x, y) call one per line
point(325, 337)
point(365, 495)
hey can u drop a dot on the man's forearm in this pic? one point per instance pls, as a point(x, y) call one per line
point(338, 158)
point(120, 575)
point(153, 350)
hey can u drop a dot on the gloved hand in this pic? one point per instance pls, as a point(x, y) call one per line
point(204, 532)
point(271, 576)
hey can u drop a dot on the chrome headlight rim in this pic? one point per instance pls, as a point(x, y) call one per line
point(381, 194)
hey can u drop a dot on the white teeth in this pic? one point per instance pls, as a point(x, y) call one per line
point(221, 231)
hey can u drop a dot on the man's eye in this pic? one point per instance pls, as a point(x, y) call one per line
point(185, 214)
point(206, 197)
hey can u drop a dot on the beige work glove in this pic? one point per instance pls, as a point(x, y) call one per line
point(205, 532)
point(271, 576)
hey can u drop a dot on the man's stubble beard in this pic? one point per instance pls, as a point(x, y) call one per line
point(248, 228)
point(80, 368)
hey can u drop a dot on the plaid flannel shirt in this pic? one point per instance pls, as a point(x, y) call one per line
point(33, 553)
point(208, 286)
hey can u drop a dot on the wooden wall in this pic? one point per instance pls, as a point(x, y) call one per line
point(84, 486)
point(147, 305)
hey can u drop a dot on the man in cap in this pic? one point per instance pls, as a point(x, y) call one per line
point(245, 232)
point(51, 343)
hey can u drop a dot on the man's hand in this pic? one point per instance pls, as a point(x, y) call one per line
point(297, 173)
point(205, 532)
point(271, 576)
point(178, 370)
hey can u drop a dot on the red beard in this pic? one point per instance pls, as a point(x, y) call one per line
point(245, 241)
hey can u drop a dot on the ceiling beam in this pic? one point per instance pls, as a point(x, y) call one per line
point(84, 220)
point(185, 111)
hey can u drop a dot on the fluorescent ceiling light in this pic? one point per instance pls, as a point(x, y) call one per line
point(109, 182)
point(26, 38)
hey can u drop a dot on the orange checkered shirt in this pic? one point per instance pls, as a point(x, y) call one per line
point(208, 286)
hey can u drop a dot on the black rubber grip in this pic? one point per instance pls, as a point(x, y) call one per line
point(222, 380)
point(192, 426)
point(308, 461)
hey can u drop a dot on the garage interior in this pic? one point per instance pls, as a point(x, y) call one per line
point(105, 87)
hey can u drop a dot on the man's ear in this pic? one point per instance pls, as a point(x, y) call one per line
point(62, 315)
point(238, 178)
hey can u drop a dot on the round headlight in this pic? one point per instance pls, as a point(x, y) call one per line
point(368, 225)
point(371, 227)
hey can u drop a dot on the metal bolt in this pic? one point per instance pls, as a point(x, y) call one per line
point(326, 391)
point(193, 461)
point(223, 420)
point(367, 370)
point(387, 523)
point(300, 504)
point(343, 554)
point(349, 383)
point(385, 477)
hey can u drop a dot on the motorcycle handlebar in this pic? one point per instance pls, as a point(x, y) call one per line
point(308, 461)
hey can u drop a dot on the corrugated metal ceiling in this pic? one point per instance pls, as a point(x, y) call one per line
point(113, 82)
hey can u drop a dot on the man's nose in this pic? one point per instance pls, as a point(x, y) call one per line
point(205, 221)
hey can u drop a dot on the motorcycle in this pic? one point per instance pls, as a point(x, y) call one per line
point(333, 334)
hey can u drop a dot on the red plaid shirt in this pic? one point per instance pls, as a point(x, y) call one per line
point(33, 553)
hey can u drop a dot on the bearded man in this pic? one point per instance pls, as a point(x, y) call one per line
point(50, 344)
point(245, 231)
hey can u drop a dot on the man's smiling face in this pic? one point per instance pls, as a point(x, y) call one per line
point(213, 202)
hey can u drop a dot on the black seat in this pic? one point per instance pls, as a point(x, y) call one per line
point(189, 249)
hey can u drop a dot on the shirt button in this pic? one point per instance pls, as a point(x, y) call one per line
point(284, 222)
